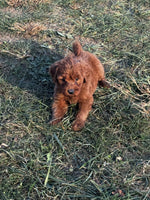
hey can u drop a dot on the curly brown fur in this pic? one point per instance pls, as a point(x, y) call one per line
point(76, 78)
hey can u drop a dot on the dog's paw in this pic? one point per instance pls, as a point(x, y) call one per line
point(78, 125)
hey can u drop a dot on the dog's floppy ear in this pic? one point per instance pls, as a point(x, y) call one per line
point(86, 75)
point(53, 71)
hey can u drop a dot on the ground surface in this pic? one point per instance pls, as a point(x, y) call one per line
point(110, 157)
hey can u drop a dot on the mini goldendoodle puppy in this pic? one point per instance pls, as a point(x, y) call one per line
point(76, 78)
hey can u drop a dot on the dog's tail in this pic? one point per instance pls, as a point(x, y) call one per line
point(77, 48)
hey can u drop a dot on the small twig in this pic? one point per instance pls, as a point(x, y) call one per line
point(61, 146)
point(49, 159)
point(16, 55)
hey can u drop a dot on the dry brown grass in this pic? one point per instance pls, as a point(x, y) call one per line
point(28, 29)
point(20, 3)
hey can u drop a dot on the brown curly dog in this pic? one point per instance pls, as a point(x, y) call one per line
point(76, 78)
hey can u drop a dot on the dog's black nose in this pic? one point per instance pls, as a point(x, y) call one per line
point(71, 91)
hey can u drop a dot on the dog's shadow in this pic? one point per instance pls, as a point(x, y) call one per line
point(25, 64)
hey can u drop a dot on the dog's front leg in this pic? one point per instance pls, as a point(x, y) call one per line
point(84, 109)
point(59, 109)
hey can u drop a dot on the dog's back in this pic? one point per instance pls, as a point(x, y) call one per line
point(95, 63)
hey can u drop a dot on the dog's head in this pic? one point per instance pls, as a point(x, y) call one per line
point(68, 76)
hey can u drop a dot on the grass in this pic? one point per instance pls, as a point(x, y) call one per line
point(110, 157)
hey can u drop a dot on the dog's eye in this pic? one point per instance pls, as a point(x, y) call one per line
point(63, 79)
point(77, 79)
